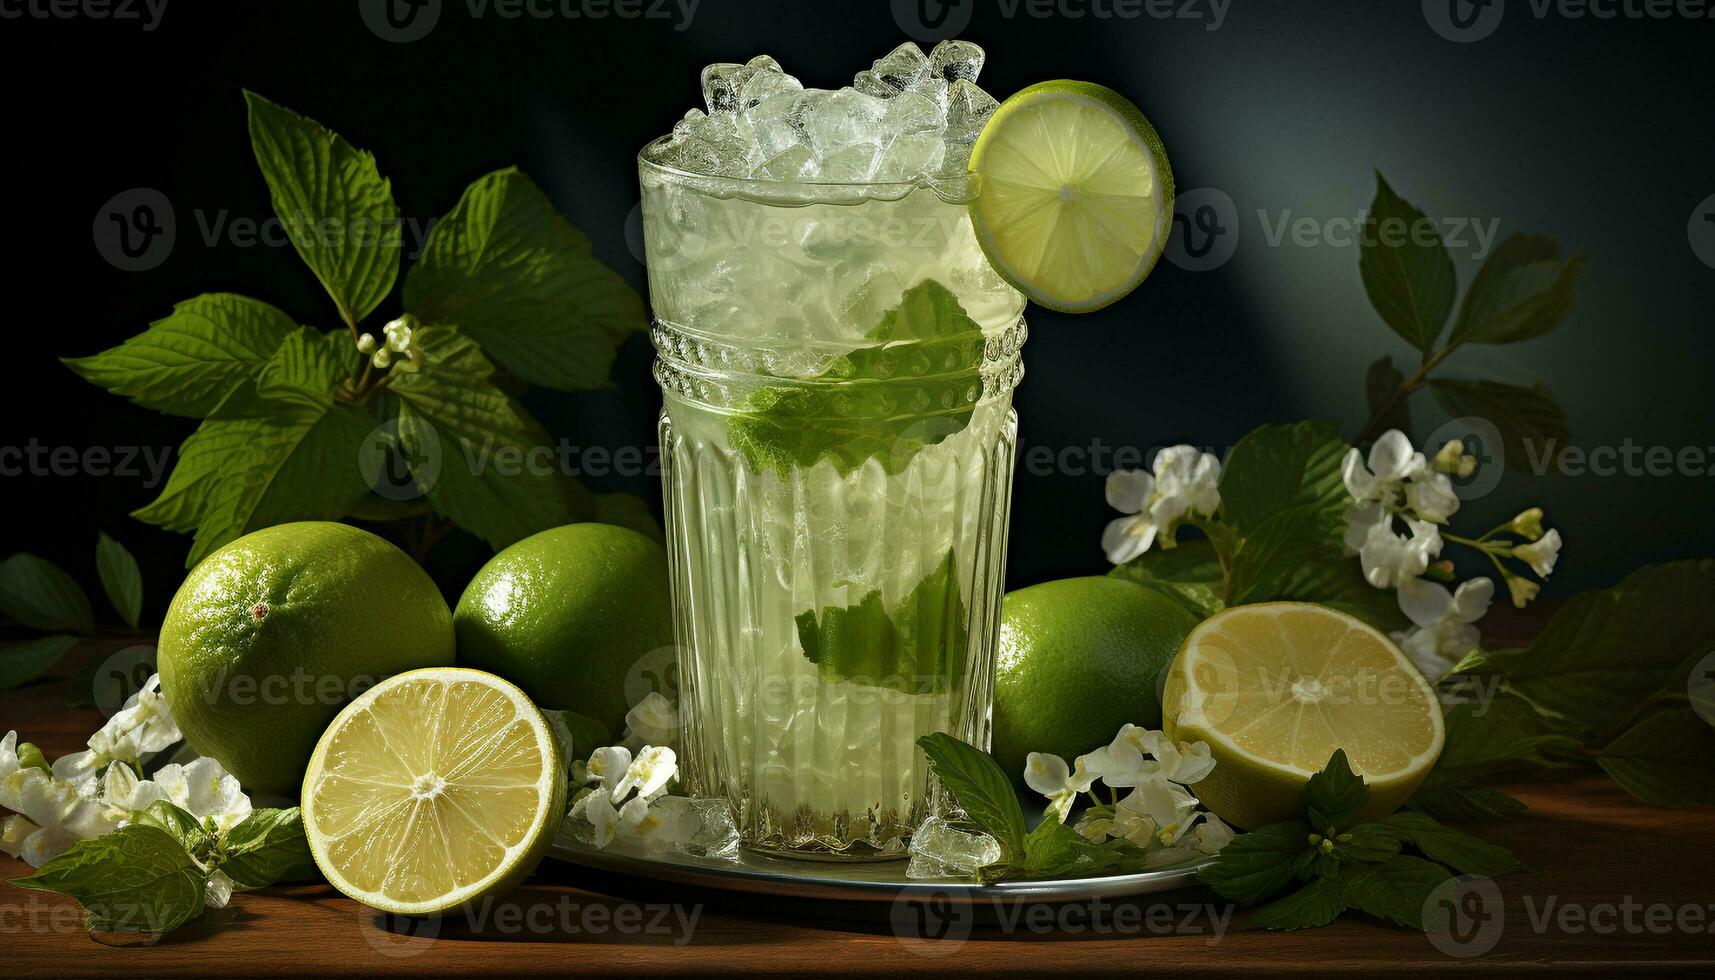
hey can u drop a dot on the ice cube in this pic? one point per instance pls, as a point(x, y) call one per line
point(869, 83)
point(955, 60)
point(709, 830)
point(694, 154)
point(776, 123)
point(968, 110)
point(763, 85)
point(958, 850)
point(720, 85)
point(795, 162)
point(850, 164)
point(688, 126)
point(909, 156)
point(903, 67)
point(955, 157)
point(842, 119)
point(912, 112)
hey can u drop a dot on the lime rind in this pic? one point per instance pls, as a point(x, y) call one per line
point(1076, 195)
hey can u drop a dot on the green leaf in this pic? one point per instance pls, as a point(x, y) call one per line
point(40, 595)
point(1524, 290)
point(135, 879)
point(1314, 905)
point(334, 204)
point(1455, 848)
point(1367, 842)
point(517, 278)
point(915, 386)
point(1189, 574)
point(1397, 890)
point(1256, 865)
point(477, 450)
point(1604, 652)
point(200, 360)
point(23, 662)
point(627, 510)
point(1666, 759)
point(1464, 803)
point(980, 789)
point(1406, 270)
point(1484, 738)
point(1381, 383)
point(120, 577)
point(916, 648)
point(265, 848)
point(1530, 421)
point(1334, 795)
point(184, 827)
point(302, 373)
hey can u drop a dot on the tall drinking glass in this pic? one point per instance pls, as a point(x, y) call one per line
point(837, 364)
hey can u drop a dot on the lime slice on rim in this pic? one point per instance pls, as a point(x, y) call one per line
point(1276, 687)
point(1076, 196)
point(434, 788)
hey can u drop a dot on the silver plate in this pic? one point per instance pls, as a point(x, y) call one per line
point(882, 881)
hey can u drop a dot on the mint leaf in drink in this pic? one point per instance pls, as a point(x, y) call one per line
point(1524, 290)
point(980, 789)
point(1666, 759)
point(138, 878)
point(334, 204)
point(27, 660)
point(1316, 904)
point(1454, 848)
point(1334, 795)
point(520, 280)
point(1256, 865)
point(1530, 421)
point(184, 827)
point(915, 648)
point(1407, 272)
point(916, 385)
point(1396, 890)
point(200, 360)
point(466, 440)
point(120, 578)
point(39, 594)
point(265, 848)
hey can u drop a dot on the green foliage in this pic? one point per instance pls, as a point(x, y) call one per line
point(915, 648)
point(982, 790)
point(288, 410)
point(1407, 272)
point(40, 595)
point(121, 579)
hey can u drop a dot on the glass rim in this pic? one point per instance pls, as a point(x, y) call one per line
point(810, 191)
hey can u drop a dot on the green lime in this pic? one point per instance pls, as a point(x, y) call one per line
point(434, 789)
point(1076, 196)
point(270, 635)
point(564, 614)
point(1079, 658)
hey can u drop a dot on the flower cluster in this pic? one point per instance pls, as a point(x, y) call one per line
point(1158, 815)
point(97, 791)
point(1400, 503)
point(398, 341)
point(650, 817)
point(1185, 483)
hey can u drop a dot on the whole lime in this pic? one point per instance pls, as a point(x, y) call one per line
point(1078, 658)
point(271, 635)
point(564, 614)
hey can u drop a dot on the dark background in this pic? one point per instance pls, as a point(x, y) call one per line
point(1591, 130)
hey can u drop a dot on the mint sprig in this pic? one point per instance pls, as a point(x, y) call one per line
point(151, 875)
point(1339, 863)
point(916, 647)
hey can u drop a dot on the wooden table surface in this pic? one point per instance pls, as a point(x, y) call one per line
point(1615, 888)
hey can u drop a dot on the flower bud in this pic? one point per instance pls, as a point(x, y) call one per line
point(366, 344)
point(1467, 466)
point(31, 757)
point(1440, 571)
point(1447, 457)
point(1528, 524)
point(382, 358)
point(1523, 590)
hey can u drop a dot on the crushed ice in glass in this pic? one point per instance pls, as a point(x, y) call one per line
point(908, 115)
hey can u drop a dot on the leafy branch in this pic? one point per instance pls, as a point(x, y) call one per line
point(39, 595)
point(505, 289)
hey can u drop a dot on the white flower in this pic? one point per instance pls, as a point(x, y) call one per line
point(1541, 554)
point(1431, 496)
point(1049, 775)
point(141, 728)
point(1184, 763)
point(649, 773)
point(598, 809)
point(652, 721)
point(656, 824)
point(609, 765)
point(1392, 461)
point(1443, 631)
point(366, 344)
point(1185, 481)
point(1213, 834)
point(1129, 823)
point(1167, 805)
point(52, 814)
point(1390, 558)
point(1119, 764)
point(201, 788)
point(398, 334)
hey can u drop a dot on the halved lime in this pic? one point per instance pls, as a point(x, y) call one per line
point(1275, 688)
point(1076, 195)
point(434, 788)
